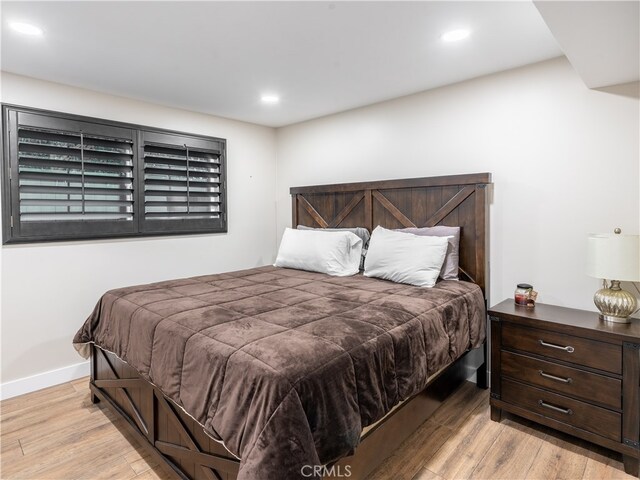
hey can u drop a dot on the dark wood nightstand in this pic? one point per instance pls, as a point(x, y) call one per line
point(569, 370)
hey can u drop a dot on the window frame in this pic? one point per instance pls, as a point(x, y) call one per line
point(90, 229)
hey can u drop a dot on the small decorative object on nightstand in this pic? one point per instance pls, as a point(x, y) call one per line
point(614, 257)
point(525, 296)
point(568, 370)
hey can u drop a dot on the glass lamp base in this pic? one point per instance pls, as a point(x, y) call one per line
point(612, 319)
point(614, 303)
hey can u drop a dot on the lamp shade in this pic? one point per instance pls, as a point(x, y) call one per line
point(614, 257)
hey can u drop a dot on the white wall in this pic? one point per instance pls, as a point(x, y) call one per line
point(49, 289)
point(564, 161)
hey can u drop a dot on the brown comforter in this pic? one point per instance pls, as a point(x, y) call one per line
point(286, 366)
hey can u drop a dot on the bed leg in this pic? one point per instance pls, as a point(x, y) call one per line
point(94, 398)
point(482, 377)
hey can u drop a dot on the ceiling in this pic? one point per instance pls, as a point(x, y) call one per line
point(319, 57)
point(600, 39)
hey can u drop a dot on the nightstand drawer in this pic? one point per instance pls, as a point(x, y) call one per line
point(562, 379)
point(578, 350)
point(594, 419)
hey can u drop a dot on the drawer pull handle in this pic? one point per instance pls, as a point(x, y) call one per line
point(553, 377)
point(559, 347)
point(566, 411)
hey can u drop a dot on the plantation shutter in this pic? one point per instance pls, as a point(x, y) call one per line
point(66, 177)
point(70, 178)
point(182, 186)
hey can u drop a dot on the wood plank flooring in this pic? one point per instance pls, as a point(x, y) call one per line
point(461, 442)
point(57, 434)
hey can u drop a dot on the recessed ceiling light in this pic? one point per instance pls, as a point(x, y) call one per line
point(271, 99)
point(26, 28)
point(455, 35)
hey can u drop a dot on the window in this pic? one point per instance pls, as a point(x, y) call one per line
point(67, 177)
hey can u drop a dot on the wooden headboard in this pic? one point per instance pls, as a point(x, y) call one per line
point(454, 200)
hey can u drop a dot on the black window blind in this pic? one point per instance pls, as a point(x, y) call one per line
point(69, 177)
point(183, 185)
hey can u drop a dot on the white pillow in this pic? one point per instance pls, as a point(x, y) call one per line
point(404, 257)
point(334, 253)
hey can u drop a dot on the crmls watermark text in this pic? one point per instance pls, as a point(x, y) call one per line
point(324, 471)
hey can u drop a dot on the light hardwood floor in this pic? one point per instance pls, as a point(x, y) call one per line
point(58, 434)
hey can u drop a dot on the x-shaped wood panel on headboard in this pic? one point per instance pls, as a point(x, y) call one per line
point(436, 218)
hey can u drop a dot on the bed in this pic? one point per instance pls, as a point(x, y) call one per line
point(259, 373)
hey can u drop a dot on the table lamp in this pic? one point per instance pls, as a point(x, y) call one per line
point(614, 258)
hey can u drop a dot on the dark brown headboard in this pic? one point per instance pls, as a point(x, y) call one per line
point(454, 200)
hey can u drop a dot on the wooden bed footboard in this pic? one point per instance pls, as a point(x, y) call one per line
point(185, 452)
point(170, 435)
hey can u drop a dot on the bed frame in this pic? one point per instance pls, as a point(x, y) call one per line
point(179, 443)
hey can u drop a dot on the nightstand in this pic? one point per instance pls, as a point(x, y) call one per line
point(569, 370)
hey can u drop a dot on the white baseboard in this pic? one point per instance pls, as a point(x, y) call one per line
point(43, 380)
